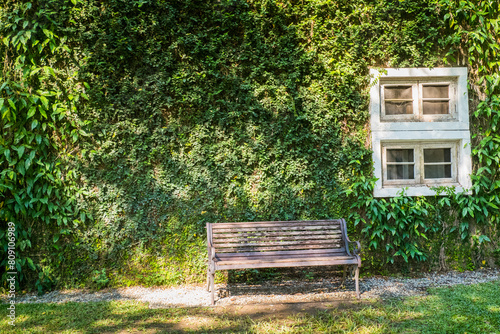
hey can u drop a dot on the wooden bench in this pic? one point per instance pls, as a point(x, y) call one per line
point(280, 244)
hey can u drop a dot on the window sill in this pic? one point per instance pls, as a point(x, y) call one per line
point(416, 191)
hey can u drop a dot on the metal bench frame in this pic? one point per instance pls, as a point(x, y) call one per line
point(279, 244)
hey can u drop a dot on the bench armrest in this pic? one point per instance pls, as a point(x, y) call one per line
point(210, 246)
point(357, 246)
point(211, 253)
point(356, 249)
point(211, 250)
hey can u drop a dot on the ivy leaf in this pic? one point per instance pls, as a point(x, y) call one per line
point(483, 238)
point(31, 112)
point(20, 151)
point(21, 169)
point(42, 111)
point(12, 104)
point(47, 33)
point(7, 154)
point(31, 264)
point(45, 102)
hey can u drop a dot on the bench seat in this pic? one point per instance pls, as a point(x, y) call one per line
point(246, 262)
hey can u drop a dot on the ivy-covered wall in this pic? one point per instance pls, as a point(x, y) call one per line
point(163, 115)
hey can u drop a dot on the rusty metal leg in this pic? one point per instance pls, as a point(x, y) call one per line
point(212, 288)
point(356, 277)
point(344, 274)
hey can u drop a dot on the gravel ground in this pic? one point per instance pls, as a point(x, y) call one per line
point(292, 291)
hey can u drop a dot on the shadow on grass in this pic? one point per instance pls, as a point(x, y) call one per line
point(456, 309)
point(128, 316)
point(131, 316)
point(112, 317)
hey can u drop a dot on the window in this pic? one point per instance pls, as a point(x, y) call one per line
point(419, 163)
point(420, 130)
point(418, 100)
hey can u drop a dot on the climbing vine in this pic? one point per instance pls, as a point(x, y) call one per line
point(39, 94)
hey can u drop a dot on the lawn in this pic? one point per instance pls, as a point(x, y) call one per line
point(459, 309)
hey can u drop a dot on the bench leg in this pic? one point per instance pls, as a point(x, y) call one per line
point(356, 277)
point(344, 274)
point(208, 280)
point(212, 288)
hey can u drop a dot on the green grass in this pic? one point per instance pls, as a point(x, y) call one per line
point(459, 309)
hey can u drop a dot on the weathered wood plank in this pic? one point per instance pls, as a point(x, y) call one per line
point(251, 243)
point(277, 239)
point(331, 262)
point(309, 252)
point(312, 234)
point(265, 257)
point(271, 248)
point(284, 259)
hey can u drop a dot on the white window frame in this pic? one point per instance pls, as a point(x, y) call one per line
point(388, 183)
point(418, 99)
point(419, 163)
point(416, 129)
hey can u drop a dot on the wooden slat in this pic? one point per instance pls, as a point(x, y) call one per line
point(250, 243)
point(310, 252)
point(276, 223)
point(331, 262)
point(272, 248)
point(277, 239)
point(264, 256)
point(277, 229)
point(291, 259)
point(277, 234)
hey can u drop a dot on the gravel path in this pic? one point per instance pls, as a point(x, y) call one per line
point(271, 292)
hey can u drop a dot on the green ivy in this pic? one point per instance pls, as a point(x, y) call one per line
point(39, 95)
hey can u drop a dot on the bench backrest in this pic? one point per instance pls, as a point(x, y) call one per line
point(280, 237)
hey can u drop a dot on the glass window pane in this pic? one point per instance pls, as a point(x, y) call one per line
point(398, 92)
point(436, 107)
point(435, 91)
point(400, 172)
point(437, 155)
point(437, 171)
point(399, 155)
point(398, 108)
